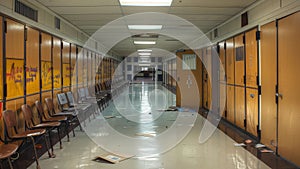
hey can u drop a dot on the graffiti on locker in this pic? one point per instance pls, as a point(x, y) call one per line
point(14, 77)
point(46, 75)
point(239, 53)
point(67, 74)
point(32, 80)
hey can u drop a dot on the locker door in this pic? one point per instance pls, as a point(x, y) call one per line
point(239, 60)
point(268, 84)
point(230, 61)
point(288, 83)
point(252, 110)
point(251, 58)
point(222, 78)
point(209, 69)
point(230, 104)
point(205, 88)
point(240, 106)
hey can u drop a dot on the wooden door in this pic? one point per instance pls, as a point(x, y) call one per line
point(209, 71)
point(222, 78)
point(288, 83)
point(187, 83)
point(268, 85)
point(1, 66)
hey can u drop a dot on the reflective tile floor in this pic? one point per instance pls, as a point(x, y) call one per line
point(134, 125)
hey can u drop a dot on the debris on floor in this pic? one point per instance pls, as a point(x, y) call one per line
point(266, 151)
point(109, 117)
point(239, 144)
point(248, 141)
point(112, 158)
point(259, 146)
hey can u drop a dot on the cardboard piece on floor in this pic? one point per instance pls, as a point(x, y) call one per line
point(113, 158)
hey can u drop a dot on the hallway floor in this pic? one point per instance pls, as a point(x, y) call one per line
point(134, 124)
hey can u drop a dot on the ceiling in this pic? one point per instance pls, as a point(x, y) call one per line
point(90, 15)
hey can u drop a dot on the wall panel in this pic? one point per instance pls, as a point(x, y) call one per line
point(56, 54)
point(230, 61)
point(252, 110)
point(1, 62)
point(230, 106)
point(66, 64)
point(14, 59)
point(46, 71)
point(32, 62)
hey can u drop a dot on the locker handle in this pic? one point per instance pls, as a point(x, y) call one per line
point(279, 95)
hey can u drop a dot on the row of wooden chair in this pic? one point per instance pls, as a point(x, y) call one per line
point(73, 111)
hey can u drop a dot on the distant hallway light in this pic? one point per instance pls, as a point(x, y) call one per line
point(144, 42)
point(145, 2)
point(144, 50)
point(145, 27)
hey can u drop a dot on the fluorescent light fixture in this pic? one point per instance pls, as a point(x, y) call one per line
point(144, 64)
point(144, 50)
point(145, 27)
point(144, 42)
point(145, 2)
point(144, 54)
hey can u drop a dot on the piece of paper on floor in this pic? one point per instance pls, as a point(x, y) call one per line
point(239, 144)
point(109, 117)
point(266, 151)
point(113, 158)
point(259, 146)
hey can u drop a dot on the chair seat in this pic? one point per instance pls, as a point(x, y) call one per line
point(57, 118)
point(47, 125)
point(64, 114)
point(29, 133)
point(6, 150)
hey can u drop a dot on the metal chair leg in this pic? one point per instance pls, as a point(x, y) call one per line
point(35, 153)
point(51, 155)
point(59, 137)
point(9, 162)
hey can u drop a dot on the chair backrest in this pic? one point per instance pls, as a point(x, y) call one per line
point(62, 100)
point(81, 94)
point(50, 106)
point(40, 110)
point(10, 122)
point(28, 115)
point(70, 98)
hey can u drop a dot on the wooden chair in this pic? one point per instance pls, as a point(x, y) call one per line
point(49, 126)
point(12, 133)
point(47, 118)
point(71, 116)
point(6, 151)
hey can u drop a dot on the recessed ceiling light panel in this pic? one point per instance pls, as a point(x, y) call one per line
point(144, 27)
point(144, 42)
point(145, 2)
point(144, 50)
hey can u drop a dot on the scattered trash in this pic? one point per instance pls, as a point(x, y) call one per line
point(109, 117)
point(239, 144)
point(248, 141)
point(266, 151)
point(259, 146)
point(113, 158)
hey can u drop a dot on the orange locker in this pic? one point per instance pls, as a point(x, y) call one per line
point(252, 111)
point(240, 106)
point(230, 61)
point(56, 54)
point(268, 84)
point(230, 107)
point(251, 58)
point(66, 64)
point(239, 60)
